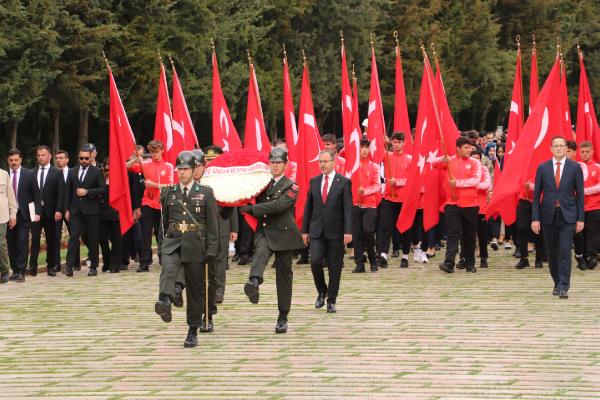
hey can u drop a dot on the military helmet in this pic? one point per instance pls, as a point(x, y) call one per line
point(364, 141)
point(278, 154)
point(186, 159)
point(199, 156)
point(212, 152)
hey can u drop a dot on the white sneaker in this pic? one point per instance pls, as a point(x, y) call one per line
point(424, 258)
point(417, 252)
point(507, 246)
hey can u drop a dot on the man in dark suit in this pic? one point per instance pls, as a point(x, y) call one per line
point(558, 206)
point(51, 187)
point(326, 227)
point(86, 186)
point(26, 193)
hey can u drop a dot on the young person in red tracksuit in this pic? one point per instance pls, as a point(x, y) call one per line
point(587, 242)
point(366, 195)
point(461, 208)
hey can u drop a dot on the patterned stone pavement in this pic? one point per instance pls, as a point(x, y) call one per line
point(399, 333)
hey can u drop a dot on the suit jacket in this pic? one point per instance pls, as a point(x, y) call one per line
point(332, 219)
point(569, 194)
point(228, 220)
point(275, 211)
point(8, 203)
point(27, 193)
point(53, 195)
point(136, 188)
point(94, 182)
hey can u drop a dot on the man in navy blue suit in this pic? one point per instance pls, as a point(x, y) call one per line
point(558, 206)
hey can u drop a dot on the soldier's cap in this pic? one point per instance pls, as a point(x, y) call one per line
point(364, 141)
point(278, 154)
point(88, 147)
point(200, 158)
point(212, 152)
point(186, 159)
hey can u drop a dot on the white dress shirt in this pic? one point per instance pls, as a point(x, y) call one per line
point(331, 175)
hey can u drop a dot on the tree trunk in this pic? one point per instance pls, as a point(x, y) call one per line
point(13, 133)
point(56, 135)
point(483, 118)
point(84, 116)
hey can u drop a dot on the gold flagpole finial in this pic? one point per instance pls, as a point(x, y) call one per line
point(422, 47)
point(396, 39)
point(249, 56)
point(159, 56)
point(212, 44)
point(372, 43)
point(171, 60)
point(284, 52)
point(579, 52)
point(533, 40)
point(342, 36)
point(518, 41)
point(558, 46)
point(353, 74)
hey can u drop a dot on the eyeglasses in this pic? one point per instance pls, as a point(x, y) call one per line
point(324, 161)
point(84, 158)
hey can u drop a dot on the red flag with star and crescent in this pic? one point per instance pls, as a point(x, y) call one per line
point(401, 121)
point(289, 118)
point(255, 134)
point(163, 125)
point(376, 127)
point(351, 135)
point(587, 124)
point(184, 137)
point(224, 133)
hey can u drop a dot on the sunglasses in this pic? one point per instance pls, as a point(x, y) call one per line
point(84, 158)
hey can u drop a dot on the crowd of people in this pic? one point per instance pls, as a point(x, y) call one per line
point(341, 215)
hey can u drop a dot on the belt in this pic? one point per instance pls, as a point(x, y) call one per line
point(184, 227)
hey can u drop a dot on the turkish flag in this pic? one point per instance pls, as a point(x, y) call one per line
point(376, 128)
point(121, 145)
point(351, 135)
point(515, 118)
point(425, 149)
point(534, 88)
point(567, 130)
point(309, 145)
point(401, 121)
point(163, 127)
point(289, 118)
point(352, 148)
point(255, 134)
point(224, 133)
point(532, 148)
point(587, 124)
point(185, 135)
point(449, 132)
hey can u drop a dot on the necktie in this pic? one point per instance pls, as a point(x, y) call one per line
point(81, 175)
point(42, 180)
point(185, 192)
point(557, 175)
point(15, 183)
point(325, 189)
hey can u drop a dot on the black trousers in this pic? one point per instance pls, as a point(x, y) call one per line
point(132, 243)
point(58, 241)
point(494, 227)
point(111, 243)
point(524, 232)
point(587, 242)
point(482, 236)
point(79, 224)
point(245, 241)
point(461, 223)
point(332, 251)
point(363, 234)
point(49, 227)
point(150, 224)
point(17, 240)
point(388, 212)
point(559, 240)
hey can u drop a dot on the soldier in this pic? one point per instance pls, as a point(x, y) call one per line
point(228, 229)
point(191, 241)
point(277, 233)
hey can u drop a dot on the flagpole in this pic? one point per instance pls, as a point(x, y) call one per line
point(518, 40)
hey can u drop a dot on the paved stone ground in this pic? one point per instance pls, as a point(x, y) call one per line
point(411, 333)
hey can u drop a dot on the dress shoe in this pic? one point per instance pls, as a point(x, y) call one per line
point(331, 308)
point(395, 253)
point(523, 263)
point(207, 329)
point(581, 264)
point(374, 267)
point(471, 268)
point(50, 271)
point(143, 268)
point(563, 294)
point(31, 271)
point(4, 277)
point(447, 267)
point(20, 277)
point(483, 263)
point(461, 264)
point(13, 277)
point(235, 258)
point(251, 290)
point(105, 268)
point(219, 298)
point(517, 253)
point(555, 291)
point(57, 268)
point(404, 263)
point(358, 269)
point(494, 246)
point(382, 262)
point(163, 308)
point(302, 261)
point(115, 270)
point(320, 300)
point(178, 299)
point(92, 271)
point(592, 263)
point(244, 260)
point(192, 337)
point(539, 264)
point(124, 267)
point(68, 271)
point(77, 267)
point(281, 326)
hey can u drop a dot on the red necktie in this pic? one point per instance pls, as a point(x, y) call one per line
point(325, 187)
point(15, 183)
point(557, 175)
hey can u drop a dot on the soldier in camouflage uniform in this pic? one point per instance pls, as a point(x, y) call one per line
point(191, 241)
point(276, 233)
